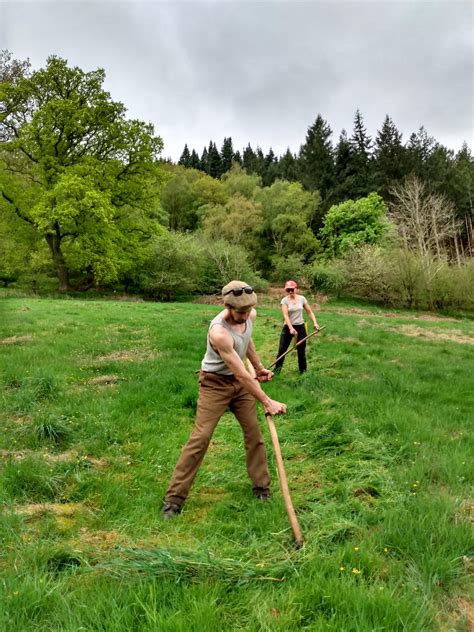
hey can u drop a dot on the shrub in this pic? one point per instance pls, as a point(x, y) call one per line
point(290, 267)
point(327, 277)
point(403, 278)
point(224, 262)
point(174, 266)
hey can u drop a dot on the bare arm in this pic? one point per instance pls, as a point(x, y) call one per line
point(286, 316)
point(263, 374)
point(311, 315)
point(222, 342)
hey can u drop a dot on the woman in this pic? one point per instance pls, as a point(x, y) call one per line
point(292, 306)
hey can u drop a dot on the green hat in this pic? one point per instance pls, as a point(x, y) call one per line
point(239, 295)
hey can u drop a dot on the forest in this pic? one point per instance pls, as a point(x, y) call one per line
point(89, 203)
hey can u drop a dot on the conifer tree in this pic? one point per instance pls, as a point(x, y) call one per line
point(205, 160)
point(389, 156)
point(237, 158)
point(342, 189)
point(316, 158)
point(360, 164)
point(270, 166)
point(288, 167)
point(259, 161)
point(194, 161)
point(249, 160)
point(419, 149)
point(185, 157)
point(214, 161)
point(227, 155)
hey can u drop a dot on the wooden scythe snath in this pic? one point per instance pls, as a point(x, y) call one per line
point(282, 474)
point(296, 345)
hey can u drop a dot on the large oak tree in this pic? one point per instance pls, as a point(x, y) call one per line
point(75, 169)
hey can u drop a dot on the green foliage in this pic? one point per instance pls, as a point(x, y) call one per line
point(354, 223)
point(238, 221)
point(224, 261)
point(403, 278)
point(316, 162)
point(327, 277)
point(77, 171)
point(238, 181)
point(174, 266)
point(185, 192)
point(287, 211)
point(290, 267)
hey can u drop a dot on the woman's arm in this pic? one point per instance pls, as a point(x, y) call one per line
point(311, 315)
point(286, 316)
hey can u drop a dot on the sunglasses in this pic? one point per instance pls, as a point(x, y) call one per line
point(290, 289)
point(240, 290)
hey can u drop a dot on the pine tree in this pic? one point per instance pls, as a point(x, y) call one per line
point(205, 161)
point(227, 155)
point(419, 149)
point(316, 158)
point(237, 158)
point(389, 156)
point(259, 161)
point(249, 160)
point(270, 167)
point(343, 186)
point(287, 167)
point(214, 161)
point(185, 157)
point(360, 164)
point(194, 161)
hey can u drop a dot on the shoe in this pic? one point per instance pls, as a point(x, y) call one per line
point(263, 494)
point(170, 510)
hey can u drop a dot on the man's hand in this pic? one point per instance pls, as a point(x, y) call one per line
point(275, 408)
point(264, 375)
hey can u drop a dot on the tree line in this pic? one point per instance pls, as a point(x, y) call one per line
point(354, 166)
point(87, 201)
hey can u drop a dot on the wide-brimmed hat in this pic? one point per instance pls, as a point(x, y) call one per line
point(239, 295)
point(291, 285)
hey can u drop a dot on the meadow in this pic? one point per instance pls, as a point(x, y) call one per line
point(97, 398)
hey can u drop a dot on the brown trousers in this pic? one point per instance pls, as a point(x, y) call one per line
point(216, 393)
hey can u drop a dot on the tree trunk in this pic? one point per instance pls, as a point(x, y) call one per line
point(54, 242)
point(458, 257)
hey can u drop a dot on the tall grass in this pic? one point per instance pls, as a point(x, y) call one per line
point(97, 398)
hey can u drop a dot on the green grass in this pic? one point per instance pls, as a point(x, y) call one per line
point(96, 401)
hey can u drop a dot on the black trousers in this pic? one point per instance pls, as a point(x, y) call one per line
point(285, 340)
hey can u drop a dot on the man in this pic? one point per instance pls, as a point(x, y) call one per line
point(225, 382)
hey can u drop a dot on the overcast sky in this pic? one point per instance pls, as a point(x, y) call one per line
point(261, 72)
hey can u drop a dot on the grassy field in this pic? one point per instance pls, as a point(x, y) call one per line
point(97, 399)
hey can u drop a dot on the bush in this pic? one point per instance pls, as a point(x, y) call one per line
point(224, 262)
point(403, 278)
point(291, 267)
point(328, 277)
point(369, 273)
point(174, 266)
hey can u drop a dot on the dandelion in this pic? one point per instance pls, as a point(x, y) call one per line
point(342, 568)
point(385, 549)
point(356, 571)
point(356, 548)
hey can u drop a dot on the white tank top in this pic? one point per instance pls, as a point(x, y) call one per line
point(212, 361)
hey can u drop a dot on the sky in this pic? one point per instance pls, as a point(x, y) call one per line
point(261, 72)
